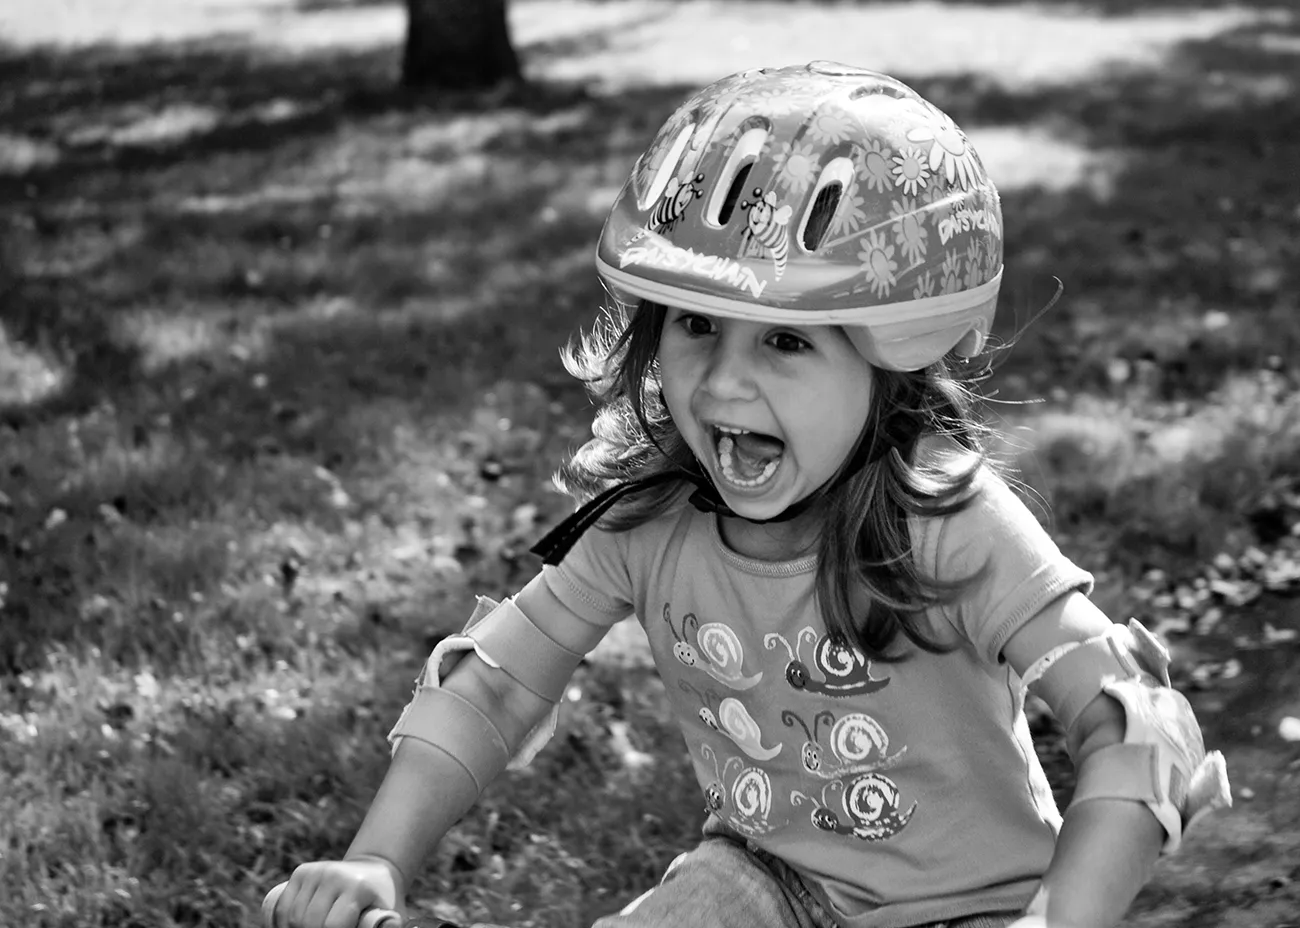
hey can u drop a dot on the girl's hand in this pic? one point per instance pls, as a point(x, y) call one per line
point(335, 894)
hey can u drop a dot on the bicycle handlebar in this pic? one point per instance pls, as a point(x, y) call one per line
point(371, 918)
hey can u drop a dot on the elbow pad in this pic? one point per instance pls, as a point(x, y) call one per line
point(504, 639)
point(1162, 761)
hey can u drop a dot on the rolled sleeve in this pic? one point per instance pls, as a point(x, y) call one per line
point(594, 580)
point(1013, 567)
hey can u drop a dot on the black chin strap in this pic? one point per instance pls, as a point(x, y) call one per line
point(556, 543)
point(901, 431)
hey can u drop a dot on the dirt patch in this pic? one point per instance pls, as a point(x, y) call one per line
point(1241, 866)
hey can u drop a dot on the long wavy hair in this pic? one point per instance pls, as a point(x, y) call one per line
point(865, 545)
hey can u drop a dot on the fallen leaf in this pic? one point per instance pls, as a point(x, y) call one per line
point(632, 758)
point(491, 470)
point(446, 563)
point(1273, 635)
point(1289, 728)
point(524, 517)
point(409, 551)
point(110, 514)
point(1206, 623)
point(1172, 624)
point(95, 607)
point(146, 684)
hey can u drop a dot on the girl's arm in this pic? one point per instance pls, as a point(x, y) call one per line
point(429, 786)
point(1107, 848)
point(425, 791)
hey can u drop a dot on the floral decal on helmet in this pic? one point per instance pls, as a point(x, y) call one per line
point(948, 149)
point(911, 170)
point(876, 172)
point(878, 264)
point(797, 166)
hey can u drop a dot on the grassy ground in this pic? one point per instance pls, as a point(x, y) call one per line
point(278, 394)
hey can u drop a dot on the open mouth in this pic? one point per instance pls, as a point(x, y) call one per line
point(747, 459)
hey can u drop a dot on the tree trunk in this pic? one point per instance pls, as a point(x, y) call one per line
point(458, 45)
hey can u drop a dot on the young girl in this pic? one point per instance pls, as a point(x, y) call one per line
point(845, 602)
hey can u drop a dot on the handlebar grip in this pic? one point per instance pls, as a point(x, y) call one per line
point(370, 918)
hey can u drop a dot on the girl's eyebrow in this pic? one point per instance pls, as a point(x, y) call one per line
point(806, 331)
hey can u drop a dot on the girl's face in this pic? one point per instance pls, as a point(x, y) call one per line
point(771, 411)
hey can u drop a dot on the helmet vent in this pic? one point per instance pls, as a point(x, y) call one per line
point(820, 216)
point(729, 184)
point(885, 86)
point(825, 203)
point(733, 194)
point(667, 168)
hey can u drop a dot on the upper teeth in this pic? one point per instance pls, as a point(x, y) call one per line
point(732, 430)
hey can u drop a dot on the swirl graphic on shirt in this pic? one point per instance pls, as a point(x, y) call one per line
point(733, 720)
point(869, 803)
point(740, 794)
point(841, 669)
point(856, 743)
point(716, 650)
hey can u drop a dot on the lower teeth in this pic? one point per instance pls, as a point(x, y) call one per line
point(725, 446)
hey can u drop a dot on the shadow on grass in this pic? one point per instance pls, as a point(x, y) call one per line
point(240, 266)
point(255, 258)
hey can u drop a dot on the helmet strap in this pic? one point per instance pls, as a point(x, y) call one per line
point(900, 431)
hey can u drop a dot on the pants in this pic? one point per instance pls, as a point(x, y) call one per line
point(723, 883)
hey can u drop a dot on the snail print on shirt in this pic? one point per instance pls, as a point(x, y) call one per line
point(834, 775)
point(740, 793)
point(838, 668)
point(713, 648)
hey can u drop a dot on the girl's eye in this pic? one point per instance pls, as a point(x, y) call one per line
point(789, 343)
point(695, 325)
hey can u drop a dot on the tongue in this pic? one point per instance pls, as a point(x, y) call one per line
point(758, 447)
point(754, 450)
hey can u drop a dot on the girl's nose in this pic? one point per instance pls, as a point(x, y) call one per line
point(730, 371)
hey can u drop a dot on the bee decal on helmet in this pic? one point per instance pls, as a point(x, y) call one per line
point(766, 227)
point(672, 205)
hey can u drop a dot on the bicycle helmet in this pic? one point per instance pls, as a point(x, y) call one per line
point(818, 194)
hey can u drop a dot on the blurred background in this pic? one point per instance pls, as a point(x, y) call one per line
point(282, 286)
